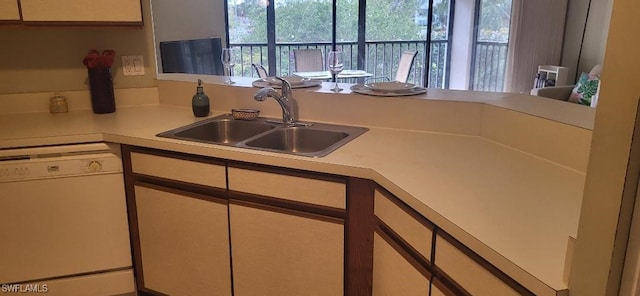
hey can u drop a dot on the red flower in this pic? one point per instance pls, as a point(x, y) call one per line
point(94, 59)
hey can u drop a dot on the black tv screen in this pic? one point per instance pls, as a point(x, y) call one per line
point(198, 56)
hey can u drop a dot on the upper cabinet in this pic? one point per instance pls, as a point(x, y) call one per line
point(120, 12)
point(9, 10)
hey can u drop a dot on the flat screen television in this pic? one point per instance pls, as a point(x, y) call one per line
point(198, 56)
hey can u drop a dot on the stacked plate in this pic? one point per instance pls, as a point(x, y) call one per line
point(294, 81)
point(393, 88)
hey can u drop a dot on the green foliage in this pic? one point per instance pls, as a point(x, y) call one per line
point(310, 20)
point(495, 18)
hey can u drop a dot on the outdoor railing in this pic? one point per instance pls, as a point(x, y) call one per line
point(489, 66)
point(382, 57)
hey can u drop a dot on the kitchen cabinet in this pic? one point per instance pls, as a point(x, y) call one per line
point(401, 248)
point(287, 232)
point(120, 12)
point(470, 271)
point(178, 218)
point(205, 224)
point(285, 253)
point(183, 242)
point(393, 274)
point(9, 10)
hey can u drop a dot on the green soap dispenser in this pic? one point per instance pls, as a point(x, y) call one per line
point(200, 102)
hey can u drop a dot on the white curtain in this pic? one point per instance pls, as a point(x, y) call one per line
point(536, 34)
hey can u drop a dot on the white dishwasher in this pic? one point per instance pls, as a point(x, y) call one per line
point(64, 221)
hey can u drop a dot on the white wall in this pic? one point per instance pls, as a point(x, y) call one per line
point(462, 44)
point(49, 58)
point(595, 35)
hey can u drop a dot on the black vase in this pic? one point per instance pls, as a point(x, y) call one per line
point(101, 84)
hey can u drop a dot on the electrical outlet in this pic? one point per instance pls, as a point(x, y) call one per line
point(133, 65)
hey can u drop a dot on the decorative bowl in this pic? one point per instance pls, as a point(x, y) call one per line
point(245, 114)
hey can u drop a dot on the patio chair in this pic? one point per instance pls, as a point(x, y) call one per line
point(262, 72)
point(405, 64)
point(308, 60)
point(404, 68)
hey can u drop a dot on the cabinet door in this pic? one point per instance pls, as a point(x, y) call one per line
point(9, 10)
point(413, 229)
point(393, 274)
point(107, 11)
point(467, 272)
point(184, 242)
point(285, 253)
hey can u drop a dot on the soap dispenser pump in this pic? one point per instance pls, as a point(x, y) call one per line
point(200, 102)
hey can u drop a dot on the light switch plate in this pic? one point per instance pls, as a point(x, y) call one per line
point(133, 65)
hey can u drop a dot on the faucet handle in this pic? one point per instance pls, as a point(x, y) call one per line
point(286, 86)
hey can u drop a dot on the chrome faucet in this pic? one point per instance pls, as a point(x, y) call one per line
point(286, 101)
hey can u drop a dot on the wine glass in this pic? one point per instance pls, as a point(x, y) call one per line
point(229, 58)
point(335, 63)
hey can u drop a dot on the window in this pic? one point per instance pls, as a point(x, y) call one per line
point(373, 33)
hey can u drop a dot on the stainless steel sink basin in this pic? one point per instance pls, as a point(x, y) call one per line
point(313, 139)
point(299, 140)
point(219, 130)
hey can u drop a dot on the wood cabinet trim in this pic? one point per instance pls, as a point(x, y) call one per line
point(359, 237)
point(288, 171)
point(216, 196)
point(398, 242)
point(132, 214)
point(287, 204)
point(447, 286)
point(179, 185)
point(333, 217)
point(176, 155)
point(407, 209)
point(499, 274)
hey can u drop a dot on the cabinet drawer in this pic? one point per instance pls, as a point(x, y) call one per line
point(126, 11)
point(407, 227)
point(468, 273)
point(178, 169)
point(295, 188)
point(9, 10)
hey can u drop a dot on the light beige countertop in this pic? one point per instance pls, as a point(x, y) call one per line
point(515, 209)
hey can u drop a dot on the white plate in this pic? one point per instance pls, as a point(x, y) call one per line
point(306, 83)
point(353, 72)
point(361, 89)
point(293, 80)
point(390, 86)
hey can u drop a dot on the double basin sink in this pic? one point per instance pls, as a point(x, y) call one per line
point(308, 139)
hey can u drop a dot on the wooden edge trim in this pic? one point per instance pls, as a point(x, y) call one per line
point(485, 264)
point(287, 211)
point(205, 197)
point(178, 155)
point(180, 185)
point(288, 171)
point(406, 208)
point(447, 285)
point(358, 237)
point(132, 214)
point(288, 204)
point(142, 291)
point(407, 252)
